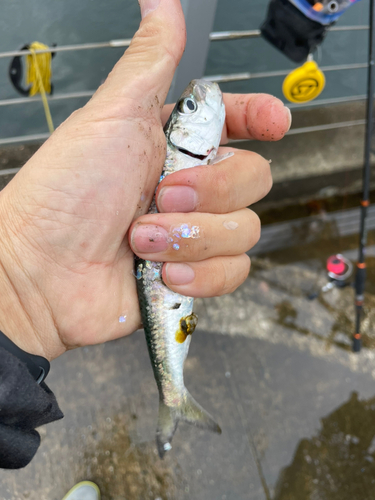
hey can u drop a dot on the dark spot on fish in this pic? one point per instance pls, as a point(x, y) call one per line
point(176, 306)
point(187, 327)
point(189, 153)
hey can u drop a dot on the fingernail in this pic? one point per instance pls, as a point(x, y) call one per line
point(177, 199)
point(289, 115)
point(148, 6)
point(179, 274)
point(149, 239)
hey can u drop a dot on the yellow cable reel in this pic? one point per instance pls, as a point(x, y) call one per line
point(304, 83)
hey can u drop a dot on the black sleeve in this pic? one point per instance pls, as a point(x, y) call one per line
point(24, 405)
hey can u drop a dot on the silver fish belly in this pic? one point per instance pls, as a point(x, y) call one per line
point(193, 134)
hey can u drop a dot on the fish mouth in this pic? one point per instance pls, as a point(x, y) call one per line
point(193, 155)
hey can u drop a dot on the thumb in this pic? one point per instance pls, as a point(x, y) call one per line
point(146, 69)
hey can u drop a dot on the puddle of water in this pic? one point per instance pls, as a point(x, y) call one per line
point(339, 462)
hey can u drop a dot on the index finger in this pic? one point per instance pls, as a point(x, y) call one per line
point(250, 116)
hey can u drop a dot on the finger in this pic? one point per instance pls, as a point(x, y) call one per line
point(226, 187)
point(193, 237)
point(255, 116)
point(208, 278)
point(251, 116)
point(144, 73)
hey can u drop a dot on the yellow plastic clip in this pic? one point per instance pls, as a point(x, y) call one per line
point(304, 83)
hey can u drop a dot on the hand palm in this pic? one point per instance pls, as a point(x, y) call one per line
point(66, 267)
point(79, 215)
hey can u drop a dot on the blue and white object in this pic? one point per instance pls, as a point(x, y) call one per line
point(324, 12)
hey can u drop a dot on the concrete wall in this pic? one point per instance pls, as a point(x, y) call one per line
point(72, 22)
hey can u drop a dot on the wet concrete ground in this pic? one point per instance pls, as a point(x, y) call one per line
point(296, 407)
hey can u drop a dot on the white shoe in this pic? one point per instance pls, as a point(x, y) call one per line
point(86, 490)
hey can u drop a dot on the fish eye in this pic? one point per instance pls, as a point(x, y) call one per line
point(187, 106)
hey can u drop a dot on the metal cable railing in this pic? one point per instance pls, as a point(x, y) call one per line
point(214, 78)
point(214, 36)
point(57, 97)
point(68, 48)
point(293, 131)
point(237, 35)
point(90, 93)
point(236, 77)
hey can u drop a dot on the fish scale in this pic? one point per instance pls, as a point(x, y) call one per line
point(193, 134)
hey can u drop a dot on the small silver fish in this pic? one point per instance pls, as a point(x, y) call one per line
point(193, 134)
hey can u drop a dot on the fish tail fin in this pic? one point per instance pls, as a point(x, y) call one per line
point(189, 411)
point(193, 413)
point(167, 425)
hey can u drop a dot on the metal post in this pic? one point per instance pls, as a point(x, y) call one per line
point(361, 265)
point(199, 17)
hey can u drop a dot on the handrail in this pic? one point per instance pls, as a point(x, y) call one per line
point(293, 131)
point(237, 35)
point(90, 93)
point(214, 36)
point(57, 97)
point(236, 77)
point(68, 48)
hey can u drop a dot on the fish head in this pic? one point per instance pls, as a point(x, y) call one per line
point(197, 121)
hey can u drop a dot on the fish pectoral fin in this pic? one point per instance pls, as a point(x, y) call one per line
point(189, 411)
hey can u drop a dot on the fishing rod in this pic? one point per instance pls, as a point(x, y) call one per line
point(360, 279)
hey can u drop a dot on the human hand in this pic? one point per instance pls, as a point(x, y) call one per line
point(69, 217)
